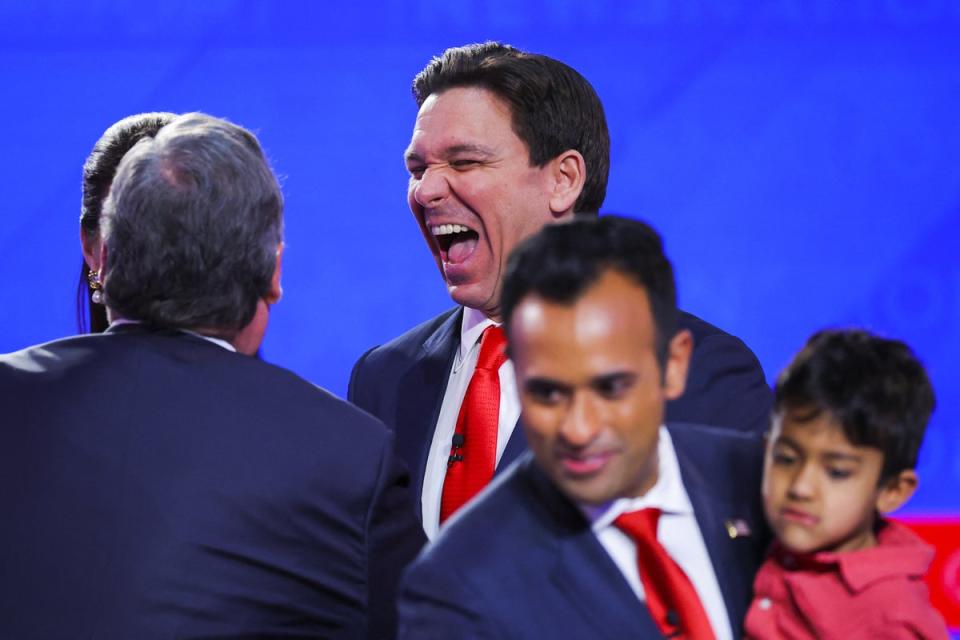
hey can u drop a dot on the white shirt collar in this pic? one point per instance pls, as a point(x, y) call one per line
point(471, 328)
point(218, 341)
point(667, 494)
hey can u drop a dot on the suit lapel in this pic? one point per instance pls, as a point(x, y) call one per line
point(421, 396)
point(584, 573)
point(728, 555)
point(422, 390)
point(593, 584)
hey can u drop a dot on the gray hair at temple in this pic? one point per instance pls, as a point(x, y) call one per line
point(192, 227)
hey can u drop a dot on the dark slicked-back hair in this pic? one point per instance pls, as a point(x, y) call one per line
point(191, 226)
point(875, 388)
point(101, 164)
point(553, 107)
point(562, 261)
point(98, 172)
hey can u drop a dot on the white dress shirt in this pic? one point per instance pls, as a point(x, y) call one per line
point(677, 531)
point(464, 362)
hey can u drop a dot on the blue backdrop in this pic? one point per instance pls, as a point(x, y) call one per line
point(801, 157)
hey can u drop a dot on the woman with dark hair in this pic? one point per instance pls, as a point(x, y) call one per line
point(98, 172)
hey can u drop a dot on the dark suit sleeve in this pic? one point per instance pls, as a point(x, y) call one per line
point(726, 387)
point(394, 537)
point(356, 392)
point(435, 604)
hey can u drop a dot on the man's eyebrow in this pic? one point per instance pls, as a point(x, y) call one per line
point(468, 148)
point(412, 156)
point(613, 376)
point(543, 381)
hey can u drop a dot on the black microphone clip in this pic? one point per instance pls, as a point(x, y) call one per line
point(456, 445)
point(673, 620)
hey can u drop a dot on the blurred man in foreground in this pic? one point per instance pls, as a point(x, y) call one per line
point(614, 526)
point(155, 480)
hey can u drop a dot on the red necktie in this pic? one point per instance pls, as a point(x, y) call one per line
point(671, 599)
point(473, 456)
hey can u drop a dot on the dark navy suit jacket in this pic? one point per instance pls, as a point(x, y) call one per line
point(155, 485)
point(522, 562)
point(403, 382)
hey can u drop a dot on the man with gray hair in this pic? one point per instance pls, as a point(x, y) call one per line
point(156, 481)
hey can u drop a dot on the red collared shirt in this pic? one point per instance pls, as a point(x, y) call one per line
point(873, 593)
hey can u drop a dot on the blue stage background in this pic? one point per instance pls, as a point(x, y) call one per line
point(801, 158)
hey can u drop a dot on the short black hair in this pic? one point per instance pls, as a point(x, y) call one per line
point(874, 387)
point(553, 107)
point(562, 261)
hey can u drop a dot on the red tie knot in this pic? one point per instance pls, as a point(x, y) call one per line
point(640, 524)
point(493, 349)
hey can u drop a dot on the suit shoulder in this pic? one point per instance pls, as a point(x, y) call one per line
point(713, 446)
point(509, 520)
point(36, 356)
point(725, 386)
point(410, 342)
point(298, 390)
point(691, 432)
point(378, 370)
point(705, 333)
point(697, 325)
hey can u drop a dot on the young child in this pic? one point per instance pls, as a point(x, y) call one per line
point(849, 416)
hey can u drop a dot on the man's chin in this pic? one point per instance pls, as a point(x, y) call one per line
point(470, 294)
point(592, 492)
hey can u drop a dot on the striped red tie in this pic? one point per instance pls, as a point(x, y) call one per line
point(473, 455)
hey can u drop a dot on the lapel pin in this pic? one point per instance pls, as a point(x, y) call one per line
point(737, 528)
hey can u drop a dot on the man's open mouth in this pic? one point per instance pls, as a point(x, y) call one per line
point(456, 242)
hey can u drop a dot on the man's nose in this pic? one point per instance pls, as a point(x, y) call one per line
point(582, 422)
point(432, 188)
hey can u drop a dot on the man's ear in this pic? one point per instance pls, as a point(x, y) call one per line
point(677, 364)
point(275, 292)
point(896, 491)
point(569, 173)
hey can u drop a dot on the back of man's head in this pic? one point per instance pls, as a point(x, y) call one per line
point(553, 107)
point(192, 227)
point(562, 261)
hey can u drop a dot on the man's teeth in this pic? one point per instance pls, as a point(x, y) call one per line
point(447, 229)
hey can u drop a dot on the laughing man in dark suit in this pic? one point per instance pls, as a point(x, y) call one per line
point(506, 142)
point(556, 547)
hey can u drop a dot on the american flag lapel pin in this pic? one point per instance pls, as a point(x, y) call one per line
point(737, 528)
